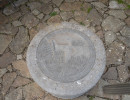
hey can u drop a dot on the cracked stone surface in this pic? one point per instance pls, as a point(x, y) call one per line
point(106, 18)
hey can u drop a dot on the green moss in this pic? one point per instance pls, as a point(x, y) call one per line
point(81, 23)
point(91, 97)
point(89, 9)
point(53, 13)
point(120, 1)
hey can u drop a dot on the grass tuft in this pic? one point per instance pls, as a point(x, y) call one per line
point(53, 13)
point(89, 9)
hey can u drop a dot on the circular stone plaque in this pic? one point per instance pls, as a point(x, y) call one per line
point(66, 59)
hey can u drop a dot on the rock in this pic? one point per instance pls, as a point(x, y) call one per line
point(34, 5)
point(117, 13)
point(115, 5)
point(95, 17)
point(22, 67)
point(15, 16)
point(20, 2)
point(16, 23)
point(128, 21)
point(50, 97)
point(127, 11)
point(15, 95)
point(82, 98)
point(9, 68)
point(33, 32)
point(66, 15)
point(111, 74)
point(126, 97)
point(3, 19)
point(98, 91)
point(113, 81)
point(8, 79)
point(35, 12)
point(112, 24)
point(90, 0)
point(125, 40)
point(45, 1)
point(125, 31)
point(19, 57)
point(8, 29)
point(9, 10)
point(40, 16)
point(41, 26)
point(20, 81)
point(4, 42)
point(56, 10)
point(6, 59)
point(100, 34)
point(69, 0)
point(127, 57)
point(99, 5)
point(80, 16)
point(46, 8)
point(70, 6)
point(29, 20)
point(24, 9)
point(114, 53)
point(46, 18)
point(109, 37)
point(2, 72)
point(20, 41)
point(54, 19)
point(57, 2)
point(104, 1)
point(85, 6)
point(33, 91)
point(123, 73)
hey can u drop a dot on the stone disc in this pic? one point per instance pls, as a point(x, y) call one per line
point(64, 58)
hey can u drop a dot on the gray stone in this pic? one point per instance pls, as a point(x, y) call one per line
point(46, 18)
point(8, 79)
point(54, 19)
point(3, 19)
point(104, 1)
point(16, 23)
point(99, 5)
point(112, 24)
point(19, 57)
point(4, 42)
point(2, 71)
point(125, 31)
point(35, 12)
point(90, 0)
point(45, 1)
point(109, 37)
point(127, 11)
point(69, 0)
point(6, 59)
point(123, 73)
point(98, 91)
point(95, 17)
point(14, 95)
point(57, 2)
point(66, 15)
point(125, 40)
point(8, 29)
point(20, 2)
point(24, 9)
point(9, 10)
point(56, 10)
point(127, 57)
point(40, 16)
point(115, 5)
point(80, 16)
point(126, 97)
point(111, 74)
point(128, 21)
point(114, 53)
point(46, 8)
point(29, 20)
point(15, 16)
point(117, 13)
point(20, 41)
point(34, 5)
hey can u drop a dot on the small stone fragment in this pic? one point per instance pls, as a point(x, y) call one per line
point(3, 19)
point(20, 81)
point(125, 31)
point(29, 20)
point(33, 91)
point(114, 53)
point(4, 42)
point(111, 74)
point(115, 5)
point(24, 9)
point(19, 57)
point(54, 19)
point(46, 8)
point(9, 68)
point(128, 21)
point(14, 95)
point(2, 72)
point(9, 10)
point(6, 59)
point(100, 34)
point(20, 2)
point(22, 67)
point(80, 16)
point(34, 5)
point(15, 16)
point(40, 16)
point(33, 32)
point(112, 24)
point(123, 74)
point(20, 41)
point(57, 2)
point(125, 40)
point(117, 13)
point(66, 15)
point(109, 37)
point(16, 23)
point(35, 12)
point(8, 78)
